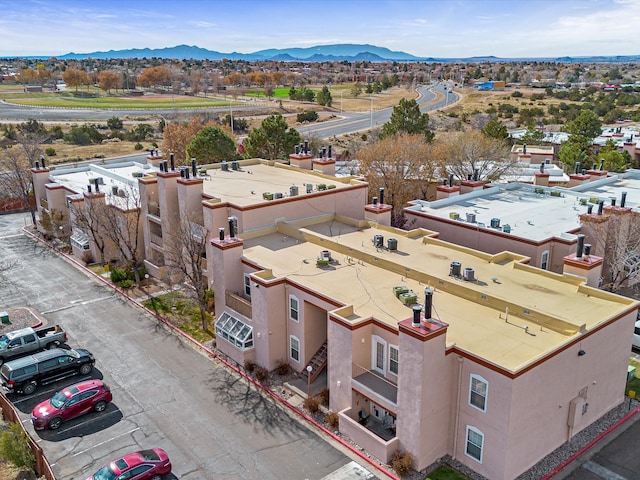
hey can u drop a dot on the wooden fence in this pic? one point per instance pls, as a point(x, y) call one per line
point(10, 414)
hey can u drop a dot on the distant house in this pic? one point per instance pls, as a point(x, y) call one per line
point(33, 88)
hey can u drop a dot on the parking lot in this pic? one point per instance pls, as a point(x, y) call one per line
point(165, 394)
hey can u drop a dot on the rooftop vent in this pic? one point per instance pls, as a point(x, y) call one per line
point(469, 274)
point(455, 269)
point(495, 223)
point(224, 166)
point(417, 310)
point(471, 217)
point(378, 241)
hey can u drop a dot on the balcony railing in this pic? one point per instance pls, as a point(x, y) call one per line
point(238, 303)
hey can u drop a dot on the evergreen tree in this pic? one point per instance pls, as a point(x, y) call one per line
point(211, 145)
point(407, 118)
point(272, 140)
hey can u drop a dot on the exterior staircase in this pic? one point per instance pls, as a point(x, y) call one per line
point(317, 363)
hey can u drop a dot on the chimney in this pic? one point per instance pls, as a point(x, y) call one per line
point(221, 234)
point(589, 209)
point(381, 195)
point(89, 188)
point(186, 172)
point(166, 168)
point(580, 245)
point(476, 175)
point(324, 152)
point(451, 180)
point(542, 168)
point(602, 164)
point(182, 172)
point(577, 171)
point(173, 163)
point(623, 199)
point(600, 207)
point(330, 155)
point(306, 146)
point(587, 249)
point(194, 171)
point(37, 165)
point(42, 161)
point(296, 150)
point(97, 186)
point(375, 201)
point(428, 298)
point(232, 228)
point(613, 201)
point(416, 315)
point(524, 148)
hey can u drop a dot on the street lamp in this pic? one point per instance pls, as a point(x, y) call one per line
point(309, 369)
point(371, 112)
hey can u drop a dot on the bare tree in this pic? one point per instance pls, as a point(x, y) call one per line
point(402, 165)
point(616, 237)
point(90, 219)
point(16, 179)
point(464, 153)
point(122, 225)
point(184, 255)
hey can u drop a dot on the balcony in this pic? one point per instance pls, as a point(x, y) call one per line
point(155, 239)
point(238, 303)
point(368, 436)
point(375, 387)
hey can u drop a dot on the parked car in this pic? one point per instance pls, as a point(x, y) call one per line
point(26, 340)
point(636, 335)
point(71, 402)
point(150, 464)
point(25, 374)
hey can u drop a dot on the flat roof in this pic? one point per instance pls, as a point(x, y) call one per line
point(554, 307)
point(613, 186)
point(246, 186)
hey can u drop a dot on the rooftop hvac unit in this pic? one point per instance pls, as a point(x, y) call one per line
point(278, 195)
point(400, 289)
point(455, 269)
point(469, 274)
point(495, 223)
point(309, 188)
point(99, 181)
point(471, 217)
point(293, 191)
point(506, 228)
point(235, 165)
point(325, 255)
point(224, 166)
point(378, 241)
point(392, 244)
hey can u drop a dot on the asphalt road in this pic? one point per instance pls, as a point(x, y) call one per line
point(212, 424)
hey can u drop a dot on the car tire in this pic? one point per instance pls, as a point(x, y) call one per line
point(29, 388)
point(51, 345)
point(54, 423)
point(86, 369)
point(156, 477)
point(100, 406)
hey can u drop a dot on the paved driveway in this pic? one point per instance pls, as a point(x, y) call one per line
point(213, 424)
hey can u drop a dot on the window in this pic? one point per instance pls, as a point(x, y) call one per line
point(379, 347)
point(394, 354)
point(293, 308)
point(234, 331)
point(475, 438)
point(544, 260)
point(29, 339)
point(294, 348)
point(247, 285)
point(478, 392)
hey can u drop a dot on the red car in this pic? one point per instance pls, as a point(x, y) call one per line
point(144, 465)
point(71, 402)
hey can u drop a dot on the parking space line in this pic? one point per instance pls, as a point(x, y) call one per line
point(106, 441)
point(90, 420)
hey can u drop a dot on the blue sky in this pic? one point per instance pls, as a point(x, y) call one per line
point(425, 28)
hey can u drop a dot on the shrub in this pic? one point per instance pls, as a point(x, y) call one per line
point(249, 365)
point(126, 283)
point(262, 374)
point(283, 368)
point(138, 146)
point(50, 152)
point(14, 447)
point(332, 420)
point(307, 117)
point(402, 463)
point(118, 275)
point(324, 397)
point(87, 257)
point(312, 404)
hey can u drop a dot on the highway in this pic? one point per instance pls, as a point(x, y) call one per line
point(348, 123)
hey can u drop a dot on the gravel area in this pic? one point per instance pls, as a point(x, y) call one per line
point(20, 318)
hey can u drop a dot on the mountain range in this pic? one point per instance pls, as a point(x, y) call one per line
point(322, 53)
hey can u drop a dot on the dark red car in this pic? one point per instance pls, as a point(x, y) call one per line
point(150, 464)
point(71, 402)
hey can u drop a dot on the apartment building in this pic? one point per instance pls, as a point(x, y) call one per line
point(429, 347)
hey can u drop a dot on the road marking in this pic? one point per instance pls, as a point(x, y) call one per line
point(77, 302)
point(11, 236)
point(102, 443)
point(602, 472)
point(89, 420)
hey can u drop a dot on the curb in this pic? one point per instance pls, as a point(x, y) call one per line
point(591, 444)
point(297, 412)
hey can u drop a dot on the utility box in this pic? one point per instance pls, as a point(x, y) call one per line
point(4, 316)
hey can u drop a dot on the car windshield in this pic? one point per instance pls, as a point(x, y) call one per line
point(149, 455)
point(4, 341)
point(105, 473)
point(58, 399)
